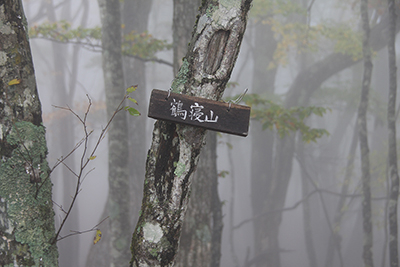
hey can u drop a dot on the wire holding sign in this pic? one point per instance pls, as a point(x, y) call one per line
point(201, 112)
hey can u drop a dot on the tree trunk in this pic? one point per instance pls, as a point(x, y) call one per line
point(118, 179)
point(363, 135)
point(26, 212)
point(175, 148)
point(196, 248)
point(307, 226)
point(262, 142)
point(200, 243)
point(391, 117)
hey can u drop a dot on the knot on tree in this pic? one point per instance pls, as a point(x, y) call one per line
point(215, 51)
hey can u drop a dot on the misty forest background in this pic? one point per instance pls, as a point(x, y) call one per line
point(287, 199)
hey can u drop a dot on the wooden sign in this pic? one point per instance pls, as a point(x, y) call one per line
point(213, 115)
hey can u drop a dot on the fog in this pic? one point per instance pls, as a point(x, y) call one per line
point(67, 73)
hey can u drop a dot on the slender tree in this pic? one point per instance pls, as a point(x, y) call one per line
point(27, 217)
point(118, 203)
point(262, 142)
point(175, 148)
point(392, 157)
point(363, 136)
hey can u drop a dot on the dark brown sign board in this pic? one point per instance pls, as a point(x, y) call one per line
point(213, 115)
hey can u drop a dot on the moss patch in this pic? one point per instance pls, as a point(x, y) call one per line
point(180, 80)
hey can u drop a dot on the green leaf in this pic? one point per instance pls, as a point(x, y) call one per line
point(133, 100)
point(132, 111)
point(131, 89)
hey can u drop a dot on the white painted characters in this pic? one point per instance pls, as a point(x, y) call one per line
point(195, 114)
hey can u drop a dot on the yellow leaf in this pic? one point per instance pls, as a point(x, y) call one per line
point(14, 81)
point(97, 237)
point(92, 157)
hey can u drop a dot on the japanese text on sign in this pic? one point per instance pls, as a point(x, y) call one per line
point(195, 112)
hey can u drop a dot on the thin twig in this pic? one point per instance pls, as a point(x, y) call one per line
point(94, 228)
point(85, 158)
point(59, 206)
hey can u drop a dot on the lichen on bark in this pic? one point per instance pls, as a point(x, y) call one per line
point(27, 204)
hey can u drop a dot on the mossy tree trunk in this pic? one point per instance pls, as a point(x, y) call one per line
point(363, 136)
point(175, 148)
point(118, 179)
point(26, 212)
point(392, 156)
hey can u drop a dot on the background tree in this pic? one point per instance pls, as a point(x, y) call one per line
point(27, 217)
point(392, 143)
point(118, 203)
point(364, 147)
point(262, 142)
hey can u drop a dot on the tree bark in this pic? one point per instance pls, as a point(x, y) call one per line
point(119, 193)
point(392, 153)
point(363, 136)
point(196, 247)
point(26, 212)
point(175, 148)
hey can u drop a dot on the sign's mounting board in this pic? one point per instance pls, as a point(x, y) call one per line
point(213, 115)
